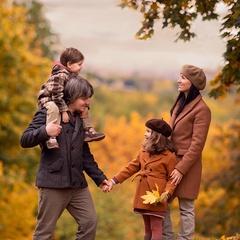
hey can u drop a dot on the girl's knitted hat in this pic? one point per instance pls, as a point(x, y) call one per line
point(195, 75)
point(159, 126)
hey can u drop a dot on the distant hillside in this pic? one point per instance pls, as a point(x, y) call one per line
point(119, 95)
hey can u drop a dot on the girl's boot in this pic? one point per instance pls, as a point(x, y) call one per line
point(147, 237)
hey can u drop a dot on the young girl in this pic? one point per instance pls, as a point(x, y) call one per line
point(154, 164)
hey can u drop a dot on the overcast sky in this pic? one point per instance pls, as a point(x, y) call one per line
point(104, 33)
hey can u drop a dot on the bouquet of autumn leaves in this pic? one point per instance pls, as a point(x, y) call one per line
point(154, 197)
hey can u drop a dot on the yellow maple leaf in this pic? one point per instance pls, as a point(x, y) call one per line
point(154, 196)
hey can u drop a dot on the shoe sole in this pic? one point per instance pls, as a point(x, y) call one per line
point(96, 139)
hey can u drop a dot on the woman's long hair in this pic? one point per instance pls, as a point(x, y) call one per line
point(157, 143)
point(193, 93)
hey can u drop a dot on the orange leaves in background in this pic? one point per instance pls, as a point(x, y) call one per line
point(122, 143)
point(18, 204)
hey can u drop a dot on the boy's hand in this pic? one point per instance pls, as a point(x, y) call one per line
point(65, 117)
point(84, 114)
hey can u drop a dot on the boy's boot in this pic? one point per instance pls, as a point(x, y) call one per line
point(92, 135)
point(52, 143)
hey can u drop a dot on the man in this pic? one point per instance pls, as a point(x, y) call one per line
point(60, 178)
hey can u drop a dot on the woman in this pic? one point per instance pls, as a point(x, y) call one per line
point(190, 120)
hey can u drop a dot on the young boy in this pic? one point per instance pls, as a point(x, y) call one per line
point(51, 95)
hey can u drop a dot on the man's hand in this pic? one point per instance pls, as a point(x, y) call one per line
point(53, 129)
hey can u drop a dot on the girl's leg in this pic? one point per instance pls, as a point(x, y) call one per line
point(147, 227)
point(156, 227)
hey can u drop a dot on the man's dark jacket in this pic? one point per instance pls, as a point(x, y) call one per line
point(62, 167)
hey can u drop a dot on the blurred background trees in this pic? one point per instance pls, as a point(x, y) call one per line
point(120, 107)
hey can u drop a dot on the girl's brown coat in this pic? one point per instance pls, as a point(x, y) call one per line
point(155, 169)
point(189, 135)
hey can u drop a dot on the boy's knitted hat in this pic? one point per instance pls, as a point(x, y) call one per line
point(195, 75)
point(159, 126)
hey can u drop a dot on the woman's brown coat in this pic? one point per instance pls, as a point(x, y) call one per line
point(155, 169)
point(189, 135)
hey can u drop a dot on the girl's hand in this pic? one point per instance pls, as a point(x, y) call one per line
point(110, 184)
point(165, 199)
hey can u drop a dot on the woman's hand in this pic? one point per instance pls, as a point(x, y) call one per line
point(176, 177)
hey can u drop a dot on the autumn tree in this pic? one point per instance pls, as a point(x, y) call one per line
point(182, 14)
point(45, 39)
point(220, 210)
point(22, 71)
point(18, 204)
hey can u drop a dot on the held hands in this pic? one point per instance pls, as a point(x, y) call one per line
point(106, 186)
point(53, 129)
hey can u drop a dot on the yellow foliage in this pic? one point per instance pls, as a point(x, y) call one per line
point(237, 237)
point(18, 203)
point(22, 71)
point(122, 143)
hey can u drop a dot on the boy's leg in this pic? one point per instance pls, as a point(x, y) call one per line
point(90, 133)
point(51, 204)
point(52, 114)
point(81, 207)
